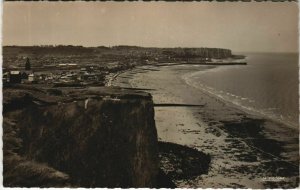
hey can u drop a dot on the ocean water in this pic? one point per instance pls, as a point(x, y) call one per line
point(268, 85)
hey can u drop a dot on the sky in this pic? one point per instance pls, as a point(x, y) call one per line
point(241, 27)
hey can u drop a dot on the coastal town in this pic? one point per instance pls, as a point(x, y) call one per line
point(77, 66)
point(68, 74)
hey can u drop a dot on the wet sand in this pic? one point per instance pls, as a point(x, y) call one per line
point(245, 150)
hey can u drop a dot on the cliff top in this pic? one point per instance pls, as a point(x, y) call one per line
point(18, 96)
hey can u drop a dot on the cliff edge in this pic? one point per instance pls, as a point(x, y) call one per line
point(85, 137)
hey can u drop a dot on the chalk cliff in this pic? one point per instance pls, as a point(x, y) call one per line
point(92, 137)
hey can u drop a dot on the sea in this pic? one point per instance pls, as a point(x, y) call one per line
point(268, 85)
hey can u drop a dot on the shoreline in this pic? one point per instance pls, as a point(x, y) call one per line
point(245, 109)
point(237, 141)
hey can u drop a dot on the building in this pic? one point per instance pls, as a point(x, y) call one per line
point(31, 77)
point(15, 77)
point(5, 77)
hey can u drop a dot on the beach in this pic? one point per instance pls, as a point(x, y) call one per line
point(246, 150)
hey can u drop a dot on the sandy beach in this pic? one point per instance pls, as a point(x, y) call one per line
point(245, 150)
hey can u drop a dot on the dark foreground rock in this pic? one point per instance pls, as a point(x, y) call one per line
point(180, 162)
point(85, 137)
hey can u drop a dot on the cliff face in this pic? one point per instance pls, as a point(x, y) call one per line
point(99, 137)
point(198, 52)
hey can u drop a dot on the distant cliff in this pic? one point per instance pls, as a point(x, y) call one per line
point(97, 137)
point(217, 53)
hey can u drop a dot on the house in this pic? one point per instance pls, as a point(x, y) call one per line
point(31, 77)
point(15, 77)
point(5, 77)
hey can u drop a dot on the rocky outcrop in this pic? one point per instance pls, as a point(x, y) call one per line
point(93, 137)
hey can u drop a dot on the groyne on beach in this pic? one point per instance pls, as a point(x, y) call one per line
point(247, 150)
